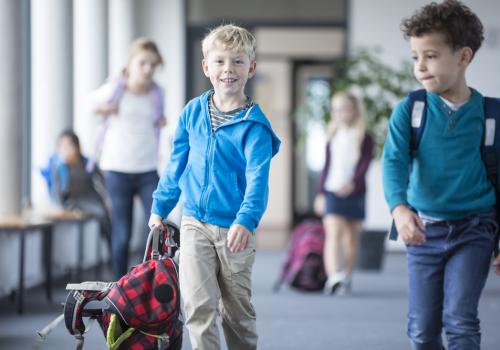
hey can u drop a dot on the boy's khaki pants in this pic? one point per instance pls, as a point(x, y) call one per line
point(213, 279)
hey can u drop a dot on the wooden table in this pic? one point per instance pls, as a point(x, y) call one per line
point(22, 225)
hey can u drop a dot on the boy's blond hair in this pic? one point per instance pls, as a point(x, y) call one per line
point(229, 36)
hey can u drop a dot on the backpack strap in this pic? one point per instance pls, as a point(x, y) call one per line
point(158, 102)
point(488, 147)
point(118, 92)
point(418, 107)
point(489, 151)
point(91, 285)
point(84, 300)
point(417, 103)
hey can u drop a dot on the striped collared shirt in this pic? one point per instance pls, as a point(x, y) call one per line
point(217, 117)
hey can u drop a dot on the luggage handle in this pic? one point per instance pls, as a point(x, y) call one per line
point(154, 239)
point(170, 236)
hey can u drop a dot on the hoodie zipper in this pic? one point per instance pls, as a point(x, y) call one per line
point(204, 196)
point(210, 151)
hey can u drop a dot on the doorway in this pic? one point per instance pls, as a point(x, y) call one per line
point(312, 81)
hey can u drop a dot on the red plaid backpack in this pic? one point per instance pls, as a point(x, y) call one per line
point(139, 312)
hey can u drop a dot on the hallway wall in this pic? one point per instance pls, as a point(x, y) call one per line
point(369, 26)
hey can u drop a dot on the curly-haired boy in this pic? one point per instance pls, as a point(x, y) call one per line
point(440, 196)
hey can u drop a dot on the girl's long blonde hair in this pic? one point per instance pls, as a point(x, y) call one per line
point(358, 123)
point(142, 44)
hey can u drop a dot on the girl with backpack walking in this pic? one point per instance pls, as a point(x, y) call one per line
point(342, 188)
point(131, 108)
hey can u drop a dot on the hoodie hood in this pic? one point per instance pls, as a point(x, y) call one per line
point(252, 114)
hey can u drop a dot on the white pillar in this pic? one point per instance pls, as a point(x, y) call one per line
point(52, 105)
point(122, 29)
point(10, 107)
point(164, 22)
point(90, 64)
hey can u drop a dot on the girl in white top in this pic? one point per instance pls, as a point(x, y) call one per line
point(341, 198)
point(132, 117)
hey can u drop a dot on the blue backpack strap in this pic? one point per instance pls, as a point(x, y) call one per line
point(417, 103)
point(393, 232)
point(488, 147)
point(489, 151)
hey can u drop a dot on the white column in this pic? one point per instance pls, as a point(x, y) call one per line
point(90, 64)
point(164, 22)
point(122, 29)
point(52, 105)
point(10, 107)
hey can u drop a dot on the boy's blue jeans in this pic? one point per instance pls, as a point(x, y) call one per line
point(122, 188)
point(446, 276)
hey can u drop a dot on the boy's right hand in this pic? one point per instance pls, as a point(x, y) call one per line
point(409, 226)
point(155, 222)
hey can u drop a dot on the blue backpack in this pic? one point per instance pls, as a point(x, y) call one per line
point(489, 149)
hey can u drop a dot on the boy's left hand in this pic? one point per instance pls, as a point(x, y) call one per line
point(496, 265)
point(237, 238)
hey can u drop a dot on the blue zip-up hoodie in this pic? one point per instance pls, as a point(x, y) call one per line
point(222, 176)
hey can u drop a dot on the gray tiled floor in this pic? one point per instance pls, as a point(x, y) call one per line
point(373, 317)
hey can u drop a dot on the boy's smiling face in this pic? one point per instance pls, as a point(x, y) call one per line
point(228, 71)
point(437, 67)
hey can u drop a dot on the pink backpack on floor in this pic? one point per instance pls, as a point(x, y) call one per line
point(303, 268)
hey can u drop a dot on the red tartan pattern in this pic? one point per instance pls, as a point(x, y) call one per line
point(104, 322)
point(134, 299)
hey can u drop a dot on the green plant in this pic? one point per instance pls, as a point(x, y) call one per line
point(379, 85)
point(364, 73)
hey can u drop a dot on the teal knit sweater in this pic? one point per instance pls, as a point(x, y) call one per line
point(446, 178)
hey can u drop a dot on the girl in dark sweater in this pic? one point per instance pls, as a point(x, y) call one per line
point(341, 197)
